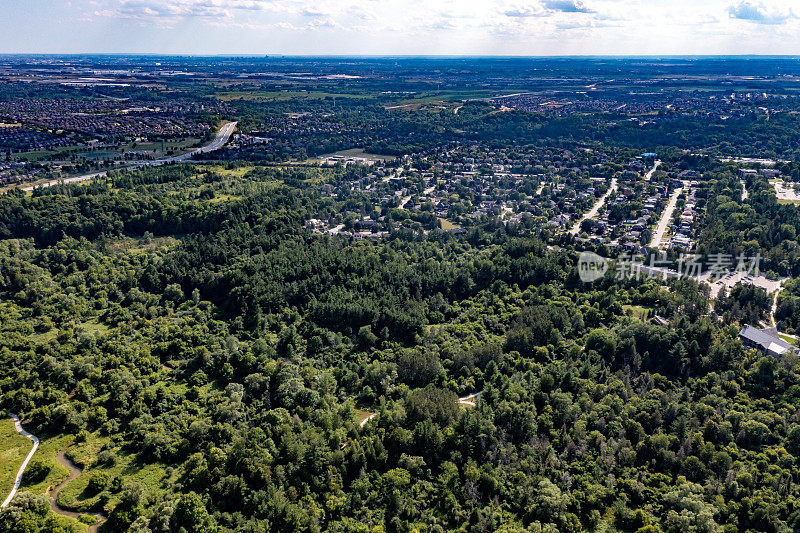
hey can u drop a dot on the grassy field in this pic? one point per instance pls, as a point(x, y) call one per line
point(237, 172)
point(637, 311)
point(447, 225)
point(43, 155)
point(224, 198)
point(178, 144)
point(49, 448)
point(76, 496)
point(83, 151)
point(787, 338)
point(362, 415)
point(13, 449)
point(450, 96)
point(93, 328)
point(275, 96)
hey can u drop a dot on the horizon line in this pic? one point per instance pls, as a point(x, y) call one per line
point(395, 56)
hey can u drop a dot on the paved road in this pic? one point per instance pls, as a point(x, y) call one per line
point(22, 468)
point(785, 193)
point(666, 217)
point(593, 213)
point(336, 230)
point(223, 135)
point(652, 170)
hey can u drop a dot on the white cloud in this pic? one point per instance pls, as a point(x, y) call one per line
point(412, 26)
point(758, 13)
point(567, 6)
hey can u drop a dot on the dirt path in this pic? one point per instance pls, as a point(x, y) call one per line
point(52, 494)
point(18, 481)
point(774, 306)
point(364, 422)
point(470, 400)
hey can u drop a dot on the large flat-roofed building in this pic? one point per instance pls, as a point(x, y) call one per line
point(767, 340)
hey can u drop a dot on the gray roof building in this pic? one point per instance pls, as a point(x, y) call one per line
point(766, 340)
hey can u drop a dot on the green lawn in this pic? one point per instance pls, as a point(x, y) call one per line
point(638, 311)
point(787, 338)
point(447, 225)
point(362, 415)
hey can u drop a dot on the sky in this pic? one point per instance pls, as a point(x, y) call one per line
point(401, 27)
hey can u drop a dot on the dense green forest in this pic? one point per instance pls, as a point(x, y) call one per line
point(208, 360)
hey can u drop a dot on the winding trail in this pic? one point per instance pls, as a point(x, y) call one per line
point(52, 494)
point(18, 481)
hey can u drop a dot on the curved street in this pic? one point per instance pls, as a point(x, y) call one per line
point(223, 136)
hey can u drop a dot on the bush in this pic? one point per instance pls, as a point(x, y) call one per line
point(37, 470)
point(98, 482)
